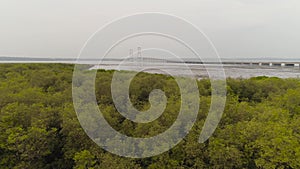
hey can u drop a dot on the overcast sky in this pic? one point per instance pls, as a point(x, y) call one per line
point(237, 28)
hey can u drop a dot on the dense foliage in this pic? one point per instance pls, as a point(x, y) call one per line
point(39, 128)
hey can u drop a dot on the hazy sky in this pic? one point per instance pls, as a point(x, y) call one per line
point(238, 28)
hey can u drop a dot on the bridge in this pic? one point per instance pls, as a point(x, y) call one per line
point(229, 61)
point(233, 62)
point(260, 63)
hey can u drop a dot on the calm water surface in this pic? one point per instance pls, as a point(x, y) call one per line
point(200, 71)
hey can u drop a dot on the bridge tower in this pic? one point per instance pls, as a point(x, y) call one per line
point(131, 55)
point(139, 56)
